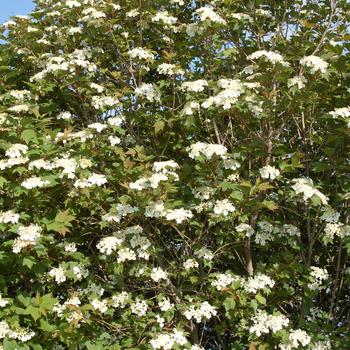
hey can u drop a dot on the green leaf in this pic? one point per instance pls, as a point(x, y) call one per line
point(29, 261)
point(61, 223)
point(29, 135)
point(260, 299)
point(158, 126)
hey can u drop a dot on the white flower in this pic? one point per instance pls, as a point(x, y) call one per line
point(299, 337)
point(155, 210)
point(259, 281)
point(222, 281)
point(64, 115)
point(232, 89)
point(99, 127)
point(149, 91)
point(126, 254)
point(190, 264)
point(114, 140)
point(92, 180)
point(158, 274)
point(299, 81)
point(102, 102)
point(97, 87)
point(305, 187)
point(190, 107)
point(120, 300)
point(169, 69)
point(248, 229)
point(19, 108)
point(269, 172)
point(116, 121)
point(330, 215)
point(179, 215)
point(165, 305)
point(204, 253)
point(3, 302)
point(343, 112)
point(207, 13)
point(7, 217)
point(100, 305)
point(206, 149)
point(319, 275)
point(139, 307)
point(34, 182)
point(314, 63)
point(272, 57)
point(194, 86)
point(223, 207)
point(263, 323)
point(110, 244)
point(163, 16)
point(141, 53)
point(16, 150)
point(80, 272)
point(70, 248)
point(204, 311)
point(28, 235)
point(58, 273)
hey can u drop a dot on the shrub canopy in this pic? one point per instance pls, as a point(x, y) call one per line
point(175, 175)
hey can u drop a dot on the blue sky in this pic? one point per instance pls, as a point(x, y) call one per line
point(14, 7)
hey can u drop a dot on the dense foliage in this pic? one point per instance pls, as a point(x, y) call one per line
point(175, 175)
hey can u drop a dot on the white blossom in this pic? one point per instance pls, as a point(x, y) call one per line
point(315, 64)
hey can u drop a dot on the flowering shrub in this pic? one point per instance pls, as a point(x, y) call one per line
point(175, 175)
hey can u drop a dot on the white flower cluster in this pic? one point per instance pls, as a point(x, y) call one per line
point(258, 282)
point(8, 217)
point(166, 341)
point(104, 102)
point(222, 280)
point(19, 109)
point(120, 211)
point(141, 53)
point(194, 86)
point(34, 182)
point(206, 149)
point(149, 91)
point(305, 187)
point(336, 229)
point(120, 300)
point(343, 112)
point(64, 115)
point(16, 155)
point(232, 89)
point(265, 232)
point(272, 57)
point(169, 69)
point(108, 245)
point(99, 127)
point(164, 17)
point(165, 305)
point(298, 81)
point(208, 13)
point(204, 312)
point(92, 180)
point(28, 235)
point(3, 302)
point(204, 253)
point(69, 63)
point(315, 64)
point(318, 275)
point(223, 207)
point(161, 172)
point(190, 264)
point(58, 273)
point(21, 334)
point(20, 95)
point(178, 215)
point(190, 108)
point(158, 274)
point(297, 338)
point(16, 150)
point(269, 172)
point(139, 307)
point(100, 305)
point(246, 228)
point(263, 323)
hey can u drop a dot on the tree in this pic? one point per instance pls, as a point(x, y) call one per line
point(175, 175)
